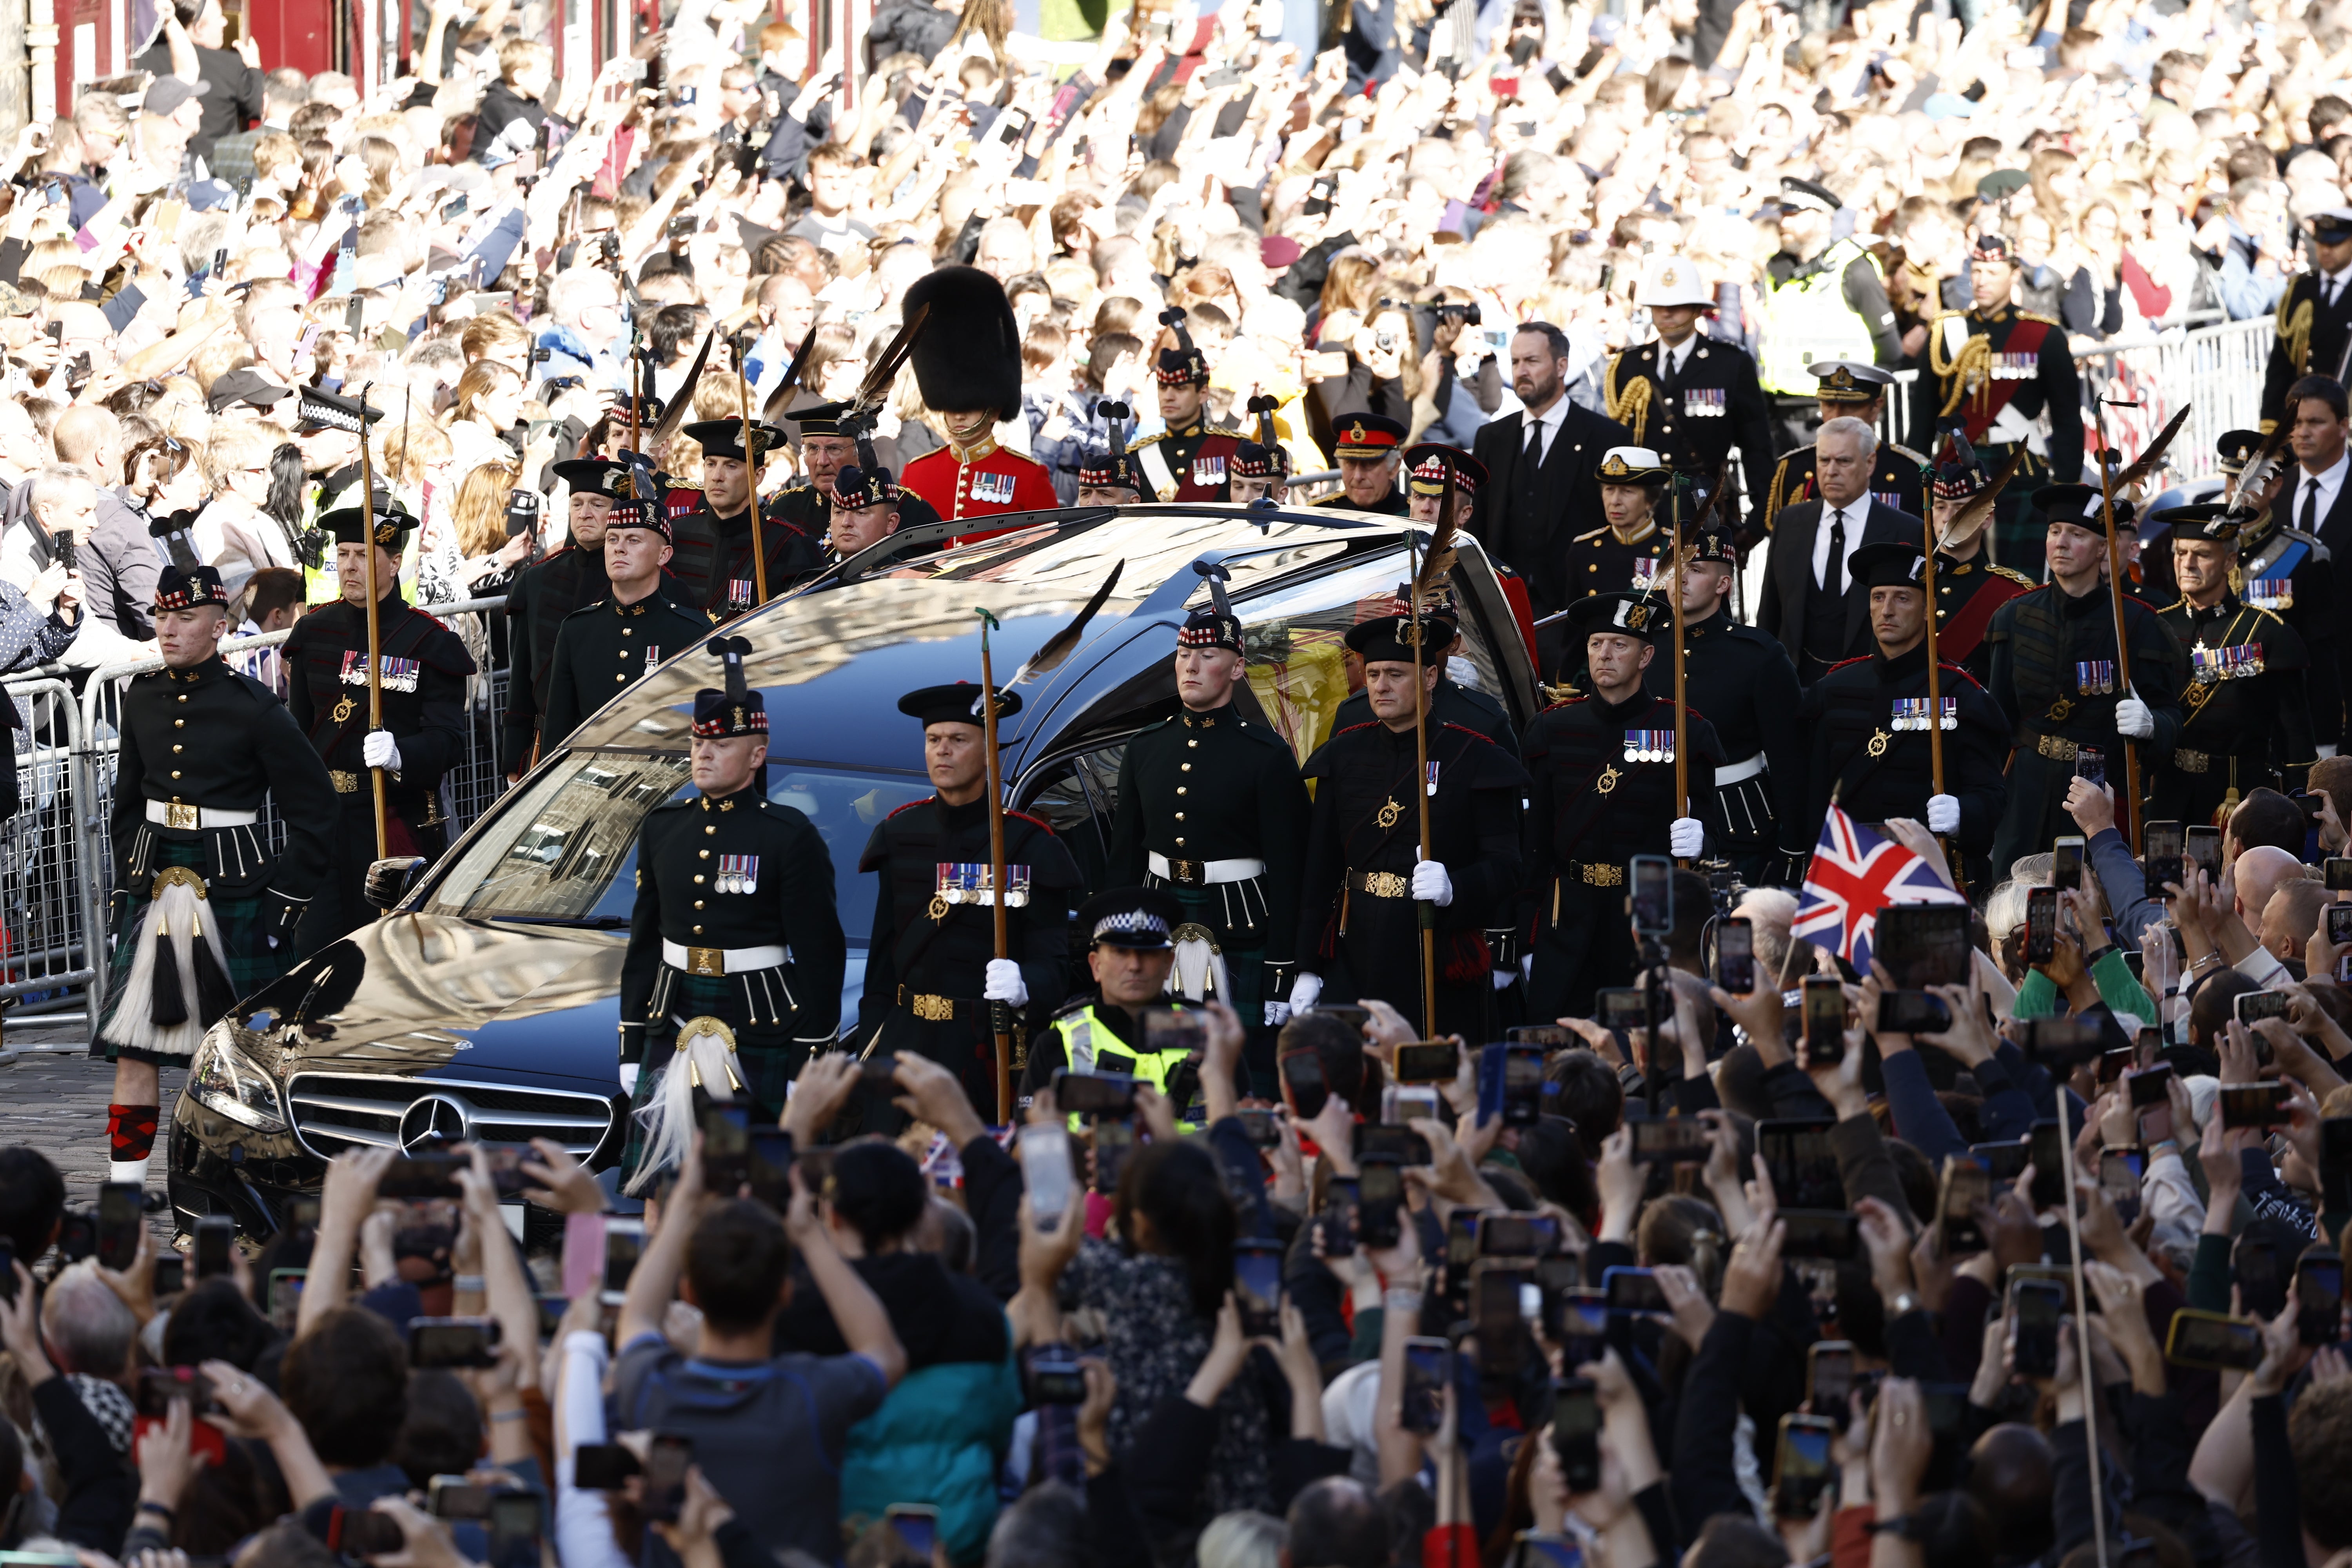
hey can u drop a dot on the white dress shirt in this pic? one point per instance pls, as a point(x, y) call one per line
point(1549, 421)
point(2329, 484)
point(1856, 513)
point(2331, 287)
point(1673, 361)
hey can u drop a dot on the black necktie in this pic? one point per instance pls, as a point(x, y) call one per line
point(1834, 574)
point(2310, 521)
point(1535, 443)
point(1671, 379)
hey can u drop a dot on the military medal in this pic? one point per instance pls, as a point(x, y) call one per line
point(1389, 814)
point(737, 874)
point(1607, 780)
point(2096, 677)
point(1879, 740)
point(342, 713)
point(1649, 745)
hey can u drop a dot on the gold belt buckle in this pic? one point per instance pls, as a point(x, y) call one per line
point(1387, 885)
point(705, 961)
point(2056, 747)
point(933, 1009)
point(185, 875)
point(1187, 873)
point(2190, 762)
point(346, 782)
point(179, 815)
point(1601, 875)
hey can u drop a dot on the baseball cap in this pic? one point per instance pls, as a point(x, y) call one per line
point(165, 94)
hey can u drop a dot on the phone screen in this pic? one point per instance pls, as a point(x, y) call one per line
point(1654, 894)
point(1379, 1203)
point(2038, 1307)
point(2319, 1297)
point(919, 1529)
point(625, 1242)
point(1735, 956)
point(1805, 1167)
point(1923, 944)
point(1113, 1142)
point(2040, 925)
point(1824, 1021)
point(216, 1238)
point(1829, 1378)
point(1967, 1182)
point(2253, 1104)
point(2066, 864)
point(2161, 843)
point(668, 1459)
point(1257, 1285)
point(1045, 1172)
point(2207, 1338)
point(2205, 848)
point(1428, 1362)
point(121, 1208)
point(1438, 1061)
point(1803, 1469)
point(1576, 1432)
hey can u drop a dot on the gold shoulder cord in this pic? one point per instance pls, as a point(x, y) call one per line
point(1965, 372)
point(1628, 403)
point(2294, 335)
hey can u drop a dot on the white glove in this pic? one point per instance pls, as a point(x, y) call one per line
point(1276, 1014)
point(629, 1079)
point(378, 750)
point(1503, 978)
point(1304, 990)
point(2132, 719)
point(1004, 983)
point(1943, 814)
point(1686, 838)
point(1430, 883)
point(1528, 965)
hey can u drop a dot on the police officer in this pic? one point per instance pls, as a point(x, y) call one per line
point(1212, 810)
point(543, 593)
point(1130, 950)
point(1847, 389)
point(967, 360)
point(1869, 721)
point(2289, 573)
point(614, 643)
point(2313, 317)
point(1191, 459)
point(1826, 300)
point(423, 671)
point(1969, 585)
point(1604, 792)
point(2008, 376)
point(1450, 703)
point(205, 912)
point(932, 972)
point(2055, 676)
point(733, 971)
point(713, 526)
point(1691, 398)
point(1744, 681)
point(2246, 713)
point(1367, 446)
point(1359, 923)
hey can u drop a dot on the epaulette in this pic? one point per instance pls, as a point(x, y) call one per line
point(2143, 604)
point(1916, 458)
point(2272, 616)
point(679, 805)
point(1565, 703)
point(2046, 321)
point(2013, 574)
point(1084, 999)
point(583, 609)
point(1025, 457)
point(1148, 440)
point(1594, 534)
point(1948, 315)
point(1034, 822)
point(1794, 453)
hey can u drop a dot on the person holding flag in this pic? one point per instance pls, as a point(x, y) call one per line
point(1853, 875)
point(1603, 770)
point(1872, 750)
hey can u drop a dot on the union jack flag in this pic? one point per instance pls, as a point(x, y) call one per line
point(1853, 875)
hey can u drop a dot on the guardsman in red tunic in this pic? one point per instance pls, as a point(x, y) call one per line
point(966, 361)
point(1191, 459)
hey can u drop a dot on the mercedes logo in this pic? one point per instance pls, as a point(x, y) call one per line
point(435, 1116)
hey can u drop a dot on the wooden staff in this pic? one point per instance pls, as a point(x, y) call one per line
point(636, 395)
point(374, 644)
point(1936, 695)
point(999, 1023)
point(2082, 1312)
point(752, 477)
point(2130, 801)
point(1682, 709)
point(1427, 910)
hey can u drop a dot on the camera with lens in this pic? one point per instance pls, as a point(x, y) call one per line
point(522, 513)
point(311, 548)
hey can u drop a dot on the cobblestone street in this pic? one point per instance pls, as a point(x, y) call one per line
point(56, 1099)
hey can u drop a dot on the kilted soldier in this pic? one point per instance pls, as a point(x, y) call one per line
point(713, 563)
point(542, 594)
point(423, 668)
point(1212, 810)
point(204, 912)
point(1847, 389)
point(1261, 466)
point(1744, 681)
point(1969, 585)
point(612, 644)
point(1604, 792)
point(733, 971)
point(1112, 477)
point(2246, 718)
point(2055, 676)
point(1359, 891)
point(1869, 721)
point(967, 360)
point(932, 971)
point(1191, 459)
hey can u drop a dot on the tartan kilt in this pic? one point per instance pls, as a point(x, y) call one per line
point(244, 938)
point(766, 1056)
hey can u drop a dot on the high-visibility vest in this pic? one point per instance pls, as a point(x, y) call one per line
point(1806, 320)
point(1089, 1045)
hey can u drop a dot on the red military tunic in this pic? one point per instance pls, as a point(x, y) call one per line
point(980, 481)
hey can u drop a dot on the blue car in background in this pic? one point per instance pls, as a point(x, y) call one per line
point(485, 1006)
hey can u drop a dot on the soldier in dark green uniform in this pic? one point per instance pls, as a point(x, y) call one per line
point(931, 970)
point(2246, 711)
point(1869, 723)
point(1212, 810)
point(1450, 703)
point(1743, 680)
point(423, 671)
point(2055, 677)
point(1848, 389)
point(1358, 921)
point(1366, 445)
point(2313, 317)
point(2008, 376)
point(204, 912)
point(614, 643)
point(1188, 460)
point(1603, 770)
point(543, 593)
point(732, 977)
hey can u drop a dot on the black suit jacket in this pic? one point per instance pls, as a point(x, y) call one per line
point(1536, 546)
point(1789, 576)
point(2333, 525)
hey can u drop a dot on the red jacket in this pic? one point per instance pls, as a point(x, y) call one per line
point(990, 481)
